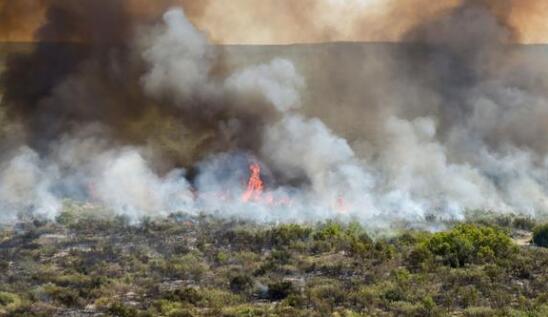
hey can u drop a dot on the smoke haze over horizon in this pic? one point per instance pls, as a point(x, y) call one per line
point(150, 118)
point(286, 21)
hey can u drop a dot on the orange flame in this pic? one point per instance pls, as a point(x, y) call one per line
point(255, 185)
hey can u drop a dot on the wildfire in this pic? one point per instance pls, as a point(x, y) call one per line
point(255, 190)
point(255, 185)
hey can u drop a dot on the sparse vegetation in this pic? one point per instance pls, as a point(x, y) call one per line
point(85, 264)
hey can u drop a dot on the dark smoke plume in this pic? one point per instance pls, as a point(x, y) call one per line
point(84, 70)
point(62, 83)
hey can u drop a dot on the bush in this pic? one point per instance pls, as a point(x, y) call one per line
point(419, 256)
point(120, 310)
point(479, 312)
point(66, 296)
point(325, 297)
point(9, 301)
point(285, 234)
point(187, 295)
point(394, 295)
point(329, 231)
point(216, 298)
point(189, 266)
point(180, 313)
point(540, 236)
point(467, 244)
point(169, 308)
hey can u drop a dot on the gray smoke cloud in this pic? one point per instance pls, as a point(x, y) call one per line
point(179, 57)
point(448, 122)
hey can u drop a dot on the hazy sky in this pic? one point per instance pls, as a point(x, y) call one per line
point(295, 21)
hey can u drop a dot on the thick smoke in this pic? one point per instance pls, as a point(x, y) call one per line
point(180, 58)
point(152, 118)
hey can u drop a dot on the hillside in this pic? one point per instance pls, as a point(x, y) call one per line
point(85, 264)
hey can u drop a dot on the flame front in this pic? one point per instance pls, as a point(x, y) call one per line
point(255, 185)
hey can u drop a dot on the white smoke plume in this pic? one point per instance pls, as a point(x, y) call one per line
point(179, 57)
point(278, 82)
point(26, 184)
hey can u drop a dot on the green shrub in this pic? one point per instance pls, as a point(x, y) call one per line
point(187, 295)
point(280, 257)
point(217, 298)
point(325, 297)
point(429, 307)
point(170, 308)
point(540, 236)
point(419, 256)
point(467, 244)
point(284, 235)
point(329, 231)
point(189, 266)
point(9, 301)
point(479, 312)
point(120, 310)
point(394, 295)
point(244, 311)
point(242, 239)
point(403, 308)
point(180, 313)
point(66, 296)
point(7, 298)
